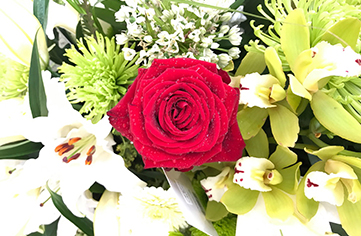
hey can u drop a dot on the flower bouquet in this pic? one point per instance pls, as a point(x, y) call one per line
point(180, 118)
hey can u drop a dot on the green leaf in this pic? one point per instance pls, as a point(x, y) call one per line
point(283, 157)
point(290, 176)
point(307, 207)
point(335, 118)
point(250, 121)
point(284, 125)
point(278, 204)
point(295, 36)
point(251, 63)
point(37, 96)
point(350, 216)
point(51, 229)
point(40, 9)
point(257, 146)
point(84, 224)
point(345, 31)
point(274, 65)
point(239, 200)
point(19, 150)
point(215, 211)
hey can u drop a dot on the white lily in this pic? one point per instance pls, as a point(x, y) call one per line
point(35, 206)
point(56, 13)
point(249, 223)
point(76, 152)
point(261, 90)
point(18, 29)
point(155, 209)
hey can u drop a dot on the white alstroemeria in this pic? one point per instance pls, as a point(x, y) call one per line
point(249, 223)
point(56, 13)
point(76, 152)
point(254, 173)
point(18, 29)
point(154, 209)
point(261, 90)
point(329, 186)
point(215, 186)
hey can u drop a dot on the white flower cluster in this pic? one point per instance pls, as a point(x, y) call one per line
point(178, 30)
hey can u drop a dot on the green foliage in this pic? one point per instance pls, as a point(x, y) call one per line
point(224, 227)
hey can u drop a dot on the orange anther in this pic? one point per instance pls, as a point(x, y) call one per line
point(60, 147)
point(73, 140)
point(65, 149)
point(89, 160)
point(91, 150)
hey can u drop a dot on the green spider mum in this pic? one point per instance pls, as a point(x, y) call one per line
point(13, 78)
point(100, 76)
point(320, 14)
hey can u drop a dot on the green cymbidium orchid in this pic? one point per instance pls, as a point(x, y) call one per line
point(326, 18)
point(264, 96)
point(336, 180)
point(274, 178)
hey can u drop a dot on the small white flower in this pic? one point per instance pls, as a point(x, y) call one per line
point(234, 52)
point(194, 35)
point(148, 39)
point(163, 38)
point(129, 53)
point(224, 60)
point(224, 29)
point(121, 38)
point(226, 17)
point(142, 57)
point(134, 29)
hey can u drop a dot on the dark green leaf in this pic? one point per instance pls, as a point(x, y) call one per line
point(84, 224)
point(37, 96)
point(40, 9)
point(19, 150)
point(236, 4)
point(51, 229)
point(96, 188)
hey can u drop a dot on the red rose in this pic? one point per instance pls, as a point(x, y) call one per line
point(180, 113)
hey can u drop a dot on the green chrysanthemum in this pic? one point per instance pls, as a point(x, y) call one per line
point(100, 76)
point(321, 15)
point(13, 78)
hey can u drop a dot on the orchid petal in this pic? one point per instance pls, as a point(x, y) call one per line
point(215, 186)
point(239, 200)
point(290, 176)
point(283, 157)
point(326, 152)
point(275, 198)
point(298, 89)
point(250, 121)
point(274, 65)
point(284, 124)
point(350, 216)
point(257, 146)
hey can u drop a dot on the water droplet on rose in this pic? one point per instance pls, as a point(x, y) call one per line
point(174, 161)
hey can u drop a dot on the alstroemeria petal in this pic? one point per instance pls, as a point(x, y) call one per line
point(106, 215)
point(250, 171)
point(323, 187)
